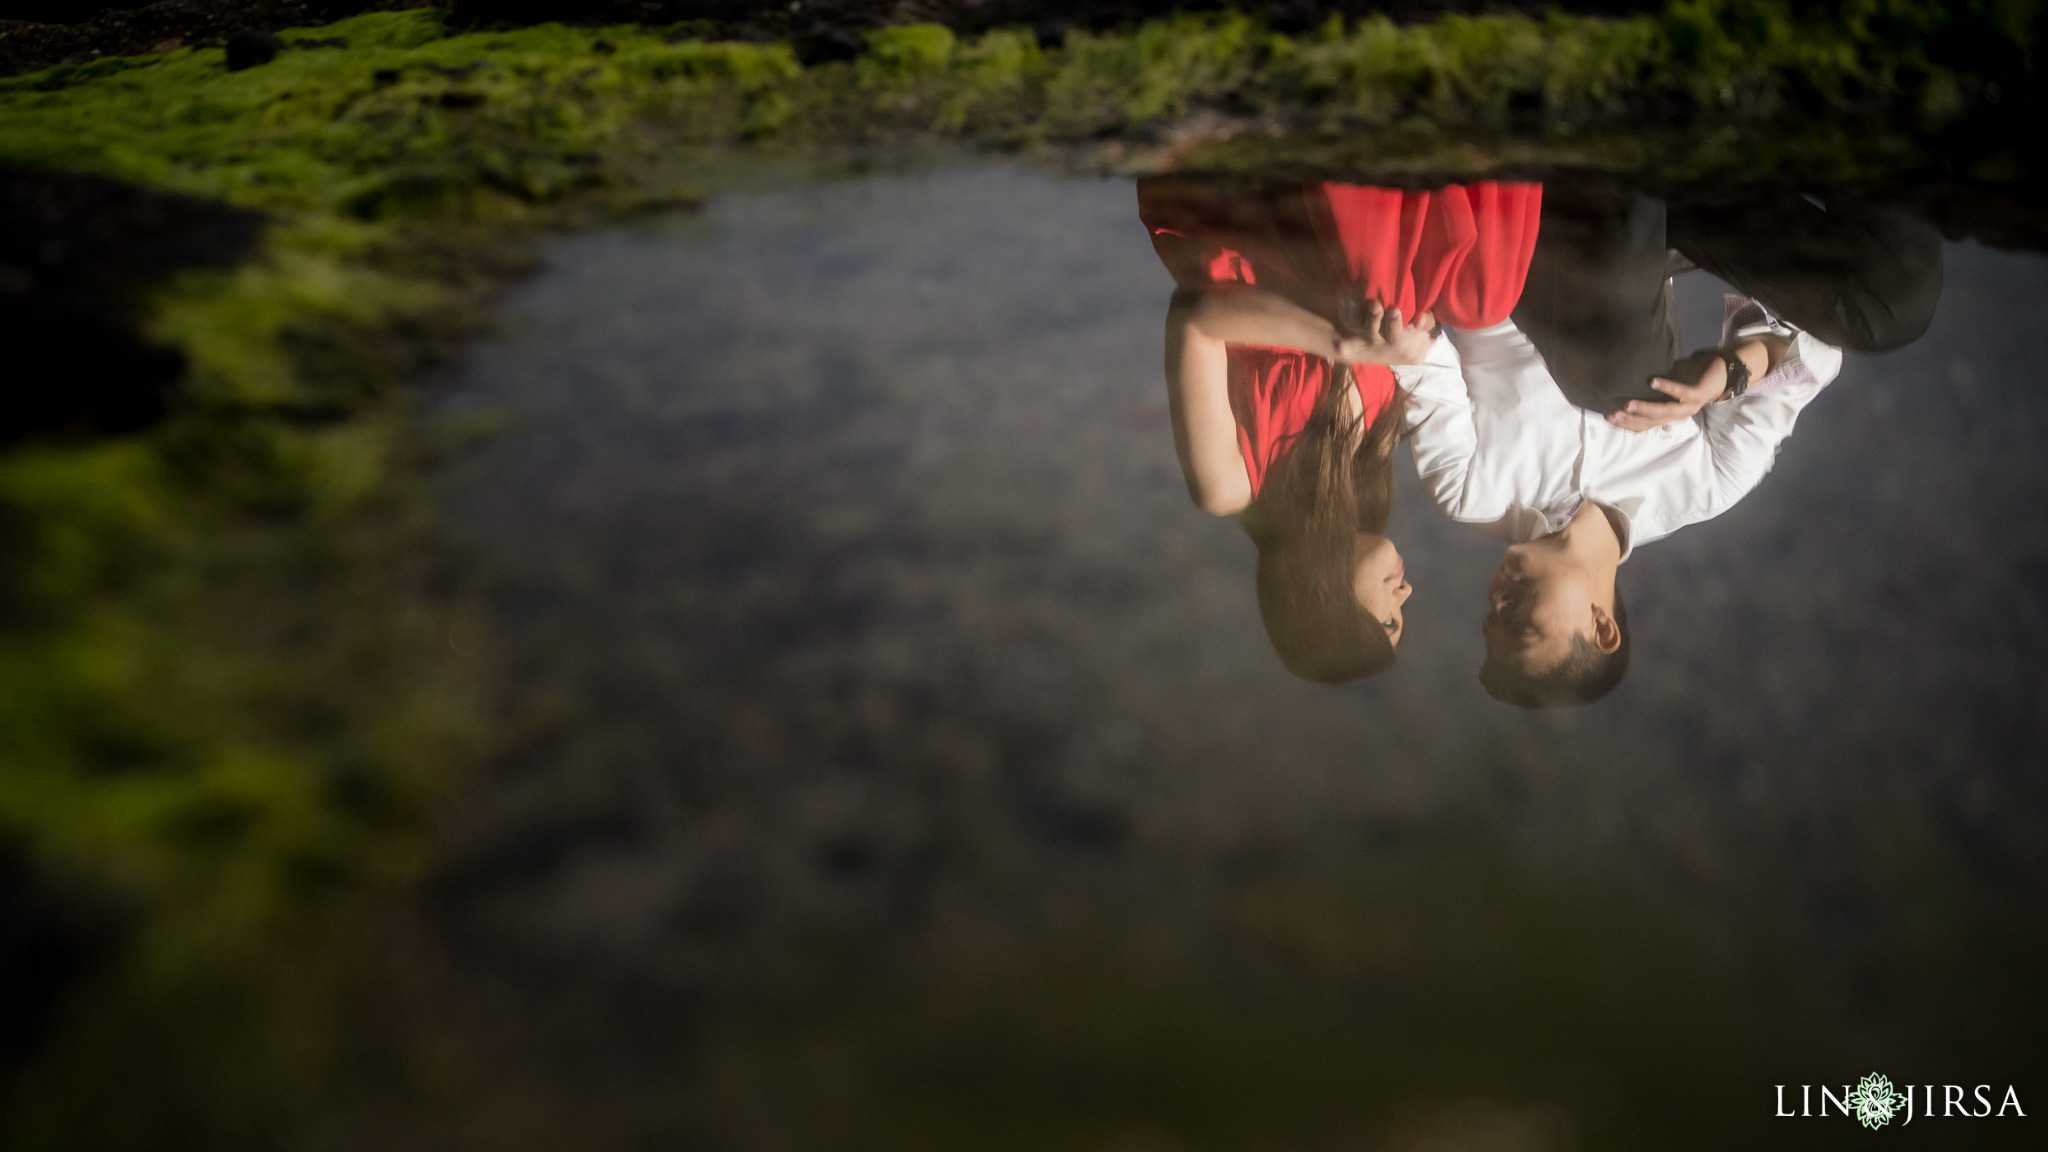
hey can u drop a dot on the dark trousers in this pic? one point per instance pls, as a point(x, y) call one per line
point(1598, 304)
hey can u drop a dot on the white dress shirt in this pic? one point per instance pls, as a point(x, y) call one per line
point(1498, 446)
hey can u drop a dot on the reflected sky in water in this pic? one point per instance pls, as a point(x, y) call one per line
point(882, 694)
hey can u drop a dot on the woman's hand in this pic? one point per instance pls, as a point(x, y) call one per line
point(1388, 339)
point(1760, 355)
point(1686, 400)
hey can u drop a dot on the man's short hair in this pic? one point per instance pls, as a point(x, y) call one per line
point(1583, 676)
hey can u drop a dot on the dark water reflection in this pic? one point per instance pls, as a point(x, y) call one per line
point(901, 761)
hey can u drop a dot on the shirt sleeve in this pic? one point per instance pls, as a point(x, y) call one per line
point(1743, 435)
point(1441, 430)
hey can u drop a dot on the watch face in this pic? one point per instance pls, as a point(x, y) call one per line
point(1738, 375)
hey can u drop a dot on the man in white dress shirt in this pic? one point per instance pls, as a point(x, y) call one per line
point(1575, 432)
point(1499, 446)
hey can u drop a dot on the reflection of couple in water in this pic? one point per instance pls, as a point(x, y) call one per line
point(1523, 340)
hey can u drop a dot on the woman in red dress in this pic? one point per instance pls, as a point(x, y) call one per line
point(1292, 306)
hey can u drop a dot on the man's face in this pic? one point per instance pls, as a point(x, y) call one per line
point(1538, 601)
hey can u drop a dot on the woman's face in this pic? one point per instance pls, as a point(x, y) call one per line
point(1380, 581)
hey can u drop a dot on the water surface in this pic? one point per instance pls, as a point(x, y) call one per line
point(900, 760)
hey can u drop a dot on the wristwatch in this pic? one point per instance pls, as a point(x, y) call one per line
point(1738, 378)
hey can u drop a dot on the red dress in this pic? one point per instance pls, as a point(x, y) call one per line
point(1461, 251)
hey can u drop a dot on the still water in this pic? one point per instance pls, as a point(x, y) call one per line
point(901, 758)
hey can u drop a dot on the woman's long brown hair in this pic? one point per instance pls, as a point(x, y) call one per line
point(1316, 498)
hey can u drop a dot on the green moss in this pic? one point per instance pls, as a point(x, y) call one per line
point(912, 50)
point(408, 122)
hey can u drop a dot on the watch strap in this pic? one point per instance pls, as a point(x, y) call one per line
point(1738, 376)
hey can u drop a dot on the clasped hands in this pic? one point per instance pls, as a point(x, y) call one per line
point(1386, 338)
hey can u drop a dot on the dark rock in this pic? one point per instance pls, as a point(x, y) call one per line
point(823, 45)
point(603, 47)
point(1526, 108)
point(49, 942)
point(57, 11)
point(384, 77)
point(471, 13)
point(461, 98)
point(1295, 17)
point(77, 256)
point(1051, 32)
point(248, 48)
point(83, 29)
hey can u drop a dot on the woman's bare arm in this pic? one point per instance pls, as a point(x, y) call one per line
point(1199, 328)
point(1198, 397)
point(1246, 315)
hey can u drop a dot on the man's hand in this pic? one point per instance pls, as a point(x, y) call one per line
point(1388, 339)
point(1686, 399)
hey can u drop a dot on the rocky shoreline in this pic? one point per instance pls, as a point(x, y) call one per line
point(71, 32)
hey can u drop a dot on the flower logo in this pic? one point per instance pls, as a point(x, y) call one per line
point(1874, 1100)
